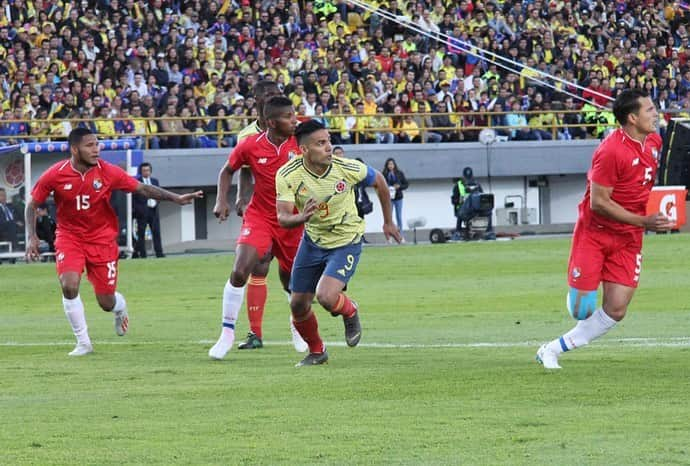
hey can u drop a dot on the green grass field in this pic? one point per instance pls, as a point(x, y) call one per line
point(445, 373)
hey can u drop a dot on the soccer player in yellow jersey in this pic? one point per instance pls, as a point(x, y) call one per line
point(321, 188)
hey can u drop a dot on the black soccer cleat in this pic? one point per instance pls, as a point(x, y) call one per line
point(314, 359)
point(353, 329)
point(252, 342)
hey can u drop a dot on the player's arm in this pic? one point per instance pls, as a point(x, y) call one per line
point(30, 218)
point(222, 209)
point(160, 194)
point(381, 187)
point(602, 203)
point(287, 218)
point(244, 190)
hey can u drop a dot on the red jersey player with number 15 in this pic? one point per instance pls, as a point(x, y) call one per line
point(87, 228)
point(607, 242)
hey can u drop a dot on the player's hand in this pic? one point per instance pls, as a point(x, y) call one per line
point(658, 222)
point(391, 231)
point(184, 199)
point(221, 210)
point(241, 205)
point(32, 253)
point(310, 207)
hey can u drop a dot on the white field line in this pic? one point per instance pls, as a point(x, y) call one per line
point(672, 342)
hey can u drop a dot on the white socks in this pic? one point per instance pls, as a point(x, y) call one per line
point(74, 310)
point(120, 303)
point(232, 303)
point(584, 332)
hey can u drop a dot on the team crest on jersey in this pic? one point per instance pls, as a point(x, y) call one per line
point(655, 154)
point(97, 184)
point(340, 186)
point(576, 273)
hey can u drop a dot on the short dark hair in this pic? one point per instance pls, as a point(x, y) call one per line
point(306, 128)
point(261, 88)
point(627, 102)
point(144, 165)
point(77, 134)
point(275, 104)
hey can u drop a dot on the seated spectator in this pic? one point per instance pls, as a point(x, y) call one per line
point(517, 120)
point(45, 226)
point(9, 221)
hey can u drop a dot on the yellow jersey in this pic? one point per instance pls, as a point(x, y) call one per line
point(336, 222)
point(252, 128)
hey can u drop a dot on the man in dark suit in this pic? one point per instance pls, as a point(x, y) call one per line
point(146, 213)
point(8, 220)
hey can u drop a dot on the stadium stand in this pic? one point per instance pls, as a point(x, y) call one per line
point(166, 70)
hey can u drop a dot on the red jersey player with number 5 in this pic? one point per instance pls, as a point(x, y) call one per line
point(607, 242)
point(87, 228)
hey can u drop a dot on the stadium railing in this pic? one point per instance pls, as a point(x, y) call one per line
point(50, 130)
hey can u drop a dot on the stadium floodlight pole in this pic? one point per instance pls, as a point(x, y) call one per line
point(446, 40)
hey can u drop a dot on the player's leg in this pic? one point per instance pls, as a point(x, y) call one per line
point(70, 264)
point(155, 223)
point(306, 271)
point(285, 248)
point(341, 264)
point(585, 269)
point(257, 293)
point(101, 267)
point(246, 257)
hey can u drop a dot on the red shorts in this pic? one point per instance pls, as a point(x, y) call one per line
point(100, 261)
point(602, 256)
point(268, 237)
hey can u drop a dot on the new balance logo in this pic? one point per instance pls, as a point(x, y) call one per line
point(262, 160)
point(68, 187)
point(636, 161)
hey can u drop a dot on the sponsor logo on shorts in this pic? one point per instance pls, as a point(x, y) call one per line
point(97, 184)
point(61, 256)
point(340, 186)
point(246, 231)
point(576, 272)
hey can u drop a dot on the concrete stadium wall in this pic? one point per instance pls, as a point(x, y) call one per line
point(513, 171)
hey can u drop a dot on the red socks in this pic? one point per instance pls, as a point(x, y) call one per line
point(344, 306)
point(309, 330)
point(257, 291)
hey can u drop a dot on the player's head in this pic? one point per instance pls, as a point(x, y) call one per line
point(264, 90)
point(634, 108)
point(338, 151)
point(84, 146)
point(315, 143)
point(280, 116)
point(145, 169)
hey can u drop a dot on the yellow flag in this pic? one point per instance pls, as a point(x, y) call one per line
point(224, 7)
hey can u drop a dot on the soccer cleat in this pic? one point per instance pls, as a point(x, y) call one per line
point(223, 345)
point(298, 342)
point(314, 359)
point(82, 349)
point(353, 329)
point(252, 342)
point(547, 358)
point(121, 322)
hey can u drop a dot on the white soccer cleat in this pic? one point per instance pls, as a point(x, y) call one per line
point(223, 345)
point(82, 349)
point(121, 322)
point(298, 342)
point(547, 357)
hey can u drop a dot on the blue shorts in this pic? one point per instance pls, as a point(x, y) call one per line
point(312, 261)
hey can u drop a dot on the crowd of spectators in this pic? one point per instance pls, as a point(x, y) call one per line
point(61, 61)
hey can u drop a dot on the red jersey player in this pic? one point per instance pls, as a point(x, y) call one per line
point(87, 227)
point(260, 234)
point(607, 242)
